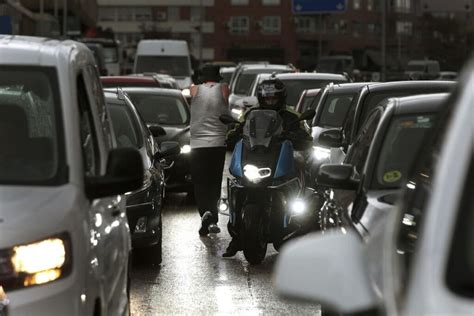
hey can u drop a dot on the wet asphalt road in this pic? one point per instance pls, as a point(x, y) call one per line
point(194, 278)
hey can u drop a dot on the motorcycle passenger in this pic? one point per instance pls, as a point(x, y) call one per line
point(271, 95)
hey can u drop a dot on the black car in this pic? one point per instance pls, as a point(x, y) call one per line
point(168, 108)
point(364, 188)
point(368, 98)
point(143, 205)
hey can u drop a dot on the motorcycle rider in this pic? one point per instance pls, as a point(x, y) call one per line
point(271, 95)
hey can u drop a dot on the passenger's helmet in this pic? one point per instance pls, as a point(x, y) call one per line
point(271, 94)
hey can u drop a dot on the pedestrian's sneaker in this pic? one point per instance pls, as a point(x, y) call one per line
point(213, 229)
point(206, 221)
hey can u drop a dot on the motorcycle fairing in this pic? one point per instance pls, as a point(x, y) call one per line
point(260, 126)
point(235, 167)
point(286, 161)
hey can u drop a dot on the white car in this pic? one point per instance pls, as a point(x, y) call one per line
point(419, 262)
point(65, 240)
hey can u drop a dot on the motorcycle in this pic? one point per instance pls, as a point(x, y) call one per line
point(267, 199)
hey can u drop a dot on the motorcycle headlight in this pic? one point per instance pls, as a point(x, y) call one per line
point(185, 149)
point(237, 112)
point(321, 153)
point(298, 207)
point(255, 174)
point(39, 262)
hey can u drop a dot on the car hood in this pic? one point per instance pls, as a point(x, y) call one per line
point(30, 213)
point(178, 134)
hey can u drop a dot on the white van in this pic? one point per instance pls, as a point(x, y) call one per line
point(169, 57)
point(64, 236)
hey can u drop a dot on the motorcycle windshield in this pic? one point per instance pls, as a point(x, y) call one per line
point(261, 126)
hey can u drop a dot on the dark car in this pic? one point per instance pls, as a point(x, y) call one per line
point(331, 110)
point(368, 98)
point(168, 108)
point(366, 185)
point(143, 205)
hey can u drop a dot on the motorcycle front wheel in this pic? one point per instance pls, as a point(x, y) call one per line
point(253, 237)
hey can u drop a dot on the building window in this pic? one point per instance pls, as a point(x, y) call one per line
point(271, 2)
point(107, 14)
point(271, 25)
point(239, 2)
point(340, 27)
point(195, 14)
point(370, 5)
point(143, 14)
point(305, 24)
point(358, 28)
point(125, 14)
point(371, 28)
point(403, 6)
point(404, 28)
point(356, 4)
point(174, 14)
point(239, 24)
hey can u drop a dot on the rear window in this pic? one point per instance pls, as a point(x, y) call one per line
point(31, 132)
point(176, 66)
point(161, 109)
point(335, 108)
point(295, 87)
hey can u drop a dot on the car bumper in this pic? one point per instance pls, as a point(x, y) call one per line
point(59, 297)
point(178, 178)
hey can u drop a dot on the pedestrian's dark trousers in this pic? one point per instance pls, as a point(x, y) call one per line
point(207, 166)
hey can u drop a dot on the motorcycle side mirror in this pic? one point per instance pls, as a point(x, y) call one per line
point(338, 176)
point(331, 138)
point(227, 119)
point(167, 149)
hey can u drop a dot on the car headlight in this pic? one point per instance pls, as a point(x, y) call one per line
point(298, 207)
point(255, 174)
point(38, 263)
point(185, 149)
point(321, 153)
point(237, 111)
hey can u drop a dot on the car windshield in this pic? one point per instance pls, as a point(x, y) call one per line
point(161, 109)
point(126, 128)
point(331, 65)
point(295, 87)
point(111, 54)
point(416, 67)
point(226, 77)
point(243, 84)
point(335, 108)
point(176, 66)
point(405, 135)
point(31, 144)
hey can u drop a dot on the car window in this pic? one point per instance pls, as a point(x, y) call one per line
point(400, 146)
point(460, 272)
point(335, 108)
point(176, 66)
point(243, 83)
point(358, 152)
point(90, 147)
point(161, 109)
point(30, 127)
point(127, 131)
point(295, 87)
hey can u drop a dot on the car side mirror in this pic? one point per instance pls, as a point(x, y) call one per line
point(167, 149)
point(338, 176)
point(157, 131)
point(331, 138)
point(331, 269)
point(227, 119)
point(307, 115)
point(124, 174)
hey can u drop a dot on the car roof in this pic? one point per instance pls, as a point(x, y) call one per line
point(152, 90)
point(410, 85)
point(310, 75)
point(347, 87)
point(423, 103)
point(128, 79)
point(40, 51)
point(264, 66)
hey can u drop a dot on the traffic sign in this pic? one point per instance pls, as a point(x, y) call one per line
point(318, 6)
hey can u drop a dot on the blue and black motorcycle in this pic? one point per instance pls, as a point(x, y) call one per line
point(267, 199)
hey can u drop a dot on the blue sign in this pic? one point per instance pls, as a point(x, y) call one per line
point(6, 24)
point(318, 6)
